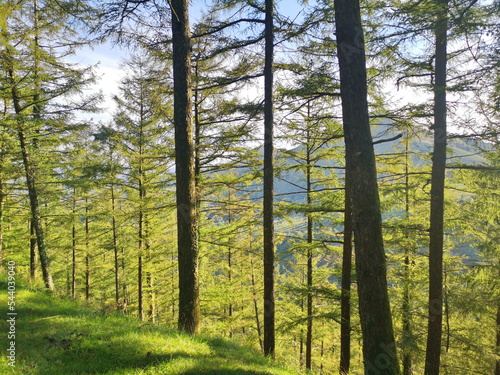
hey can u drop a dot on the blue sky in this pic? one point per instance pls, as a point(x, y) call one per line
point(107, 57)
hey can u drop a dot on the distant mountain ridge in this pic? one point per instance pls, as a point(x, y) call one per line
point(461, 151)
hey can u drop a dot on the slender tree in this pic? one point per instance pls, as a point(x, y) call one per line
point(435, 307)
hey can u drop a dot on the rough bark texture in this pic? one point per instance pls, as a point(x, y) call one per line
point(269, 331)
point(187, 232)
point(345, 301)
point(309, 332)
point(379, 350)
point(35, 212)
point(434, 325)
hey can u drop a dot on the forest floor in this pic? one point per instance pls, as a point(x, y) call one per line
point(56, 336)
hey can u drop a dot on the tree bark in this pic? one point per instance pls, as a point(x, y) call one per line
point(140, 289)
point(256, 307)
point(29, 165)
point(187, 226)
point(269, 329)
point(309, 332)
point(406, 306)
point(345, 300)
point(379, 348)
point(435, 307)
point(115, 246)
point(87, 254)
point(35, 211)
point(140, 296)
point(73, 249)
point(33, 257)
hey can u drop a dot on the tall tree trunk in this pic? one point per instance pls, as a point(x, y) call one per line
point(87, 251)
point(230, 265)
point(345, 300)
point(35, 211)
point(309, 332)
point(435, 307)
point(140, 296)
point(187, 226)
point(256, 306)
point(33, 256)
point(115, 246)
point(152, 312)
point(124, 281)
point(29, 164)
point(379, 347)
point(406, 312)
point(140, 289)
point(406, 307)
point(269, 330)
point(73, 249)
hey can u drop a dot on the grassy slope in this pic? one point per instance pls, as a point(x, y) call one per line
point(55, 336)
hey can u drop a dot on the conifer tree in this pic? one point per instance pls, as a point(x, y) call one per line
point(189, 300)
point(37, 78)
point(379, 347)
point(268, 211)
point(140, 131)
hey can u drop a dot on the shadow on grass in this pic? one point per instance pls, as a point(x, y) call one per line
point(55, 336)
point(196, 371)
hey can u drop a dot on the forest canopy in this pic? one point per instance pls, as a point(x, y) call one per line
point(317, 180)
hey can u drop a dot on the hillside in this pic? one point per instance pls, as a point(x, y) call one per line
point(55, 336)
point(461, 151)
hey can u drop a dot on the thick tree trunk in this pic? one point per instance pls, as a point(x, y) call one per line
point(379, 348)
point(187, 226)
point(269, 330)
point(434, 326)
point(345, 301)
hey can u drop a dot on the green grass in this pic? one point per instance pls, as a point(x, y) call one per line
point(55, 336)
